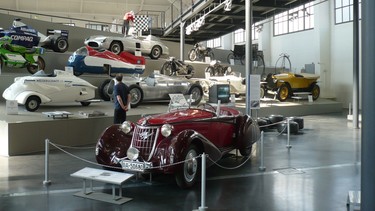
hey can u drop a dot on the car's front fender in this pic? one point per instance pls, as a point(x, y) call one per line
point(22, 97)
point(181, 143)
point(112, 144)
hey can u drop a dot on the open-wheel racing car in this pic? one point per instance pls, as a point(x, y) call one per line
point(89, 60)
point(26, 36)
point(287, 84)
point(170, 143)
point(41, 88)
point(148, 45)
point(153, 87)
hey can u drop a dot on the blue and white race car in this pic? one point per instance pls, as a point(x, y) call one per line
point(26, 36)
point(89, 60)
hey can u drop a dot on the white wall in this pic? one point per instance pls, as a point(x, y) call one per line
point(328, 46)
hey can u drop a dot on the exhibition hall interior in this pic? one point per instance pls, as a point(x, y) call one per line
point(233, 105)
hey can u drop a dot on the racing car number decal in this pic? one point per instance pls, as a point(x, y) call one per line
point(22, 38)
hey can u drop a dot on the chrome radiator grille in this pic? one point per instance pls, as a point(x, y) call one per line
point(144, 139)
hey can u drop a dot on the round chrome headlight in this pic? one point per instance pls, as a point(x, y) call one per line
point(126, 127)
point(132, 153)
point(166, 130)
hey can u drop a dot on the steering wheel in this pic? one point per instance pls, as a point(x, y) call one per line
point(208, 107)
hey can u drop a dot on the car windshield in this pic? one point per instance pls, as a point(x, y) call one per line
point(81, 51)
point(153, 38)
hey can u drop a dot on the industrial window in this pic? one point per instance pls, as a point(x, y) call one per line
point(344, 11)
point(214, 43)
point(99, 27)
point(240, 34)
point(297, 19)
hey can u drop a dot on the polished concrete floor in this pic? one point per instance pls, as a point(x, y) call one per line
point(314, 175)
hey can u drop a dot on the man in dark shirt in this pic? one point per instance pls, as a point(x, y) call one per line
point(121, 98)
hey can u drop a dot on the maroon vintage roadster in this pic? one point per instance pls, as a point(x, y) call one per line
point(161, 143)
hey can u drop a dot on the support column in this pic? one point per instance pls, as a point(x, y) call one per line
point(248, 52)
point(368, 106)
point(182, 40)
point(355, 64)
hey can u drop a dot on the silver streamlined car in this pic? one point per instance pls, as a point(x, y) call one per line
point(154, 87)
point(148, 45)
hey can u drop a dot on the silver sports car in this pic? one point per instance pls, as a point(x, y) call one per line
point(153, 88)
point(148, 45)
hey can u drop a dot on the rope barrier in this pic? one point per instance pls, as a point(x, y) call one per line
point(57, 146)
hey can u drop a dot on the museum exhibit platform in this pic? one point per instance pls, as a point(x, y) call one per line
point(26, 132)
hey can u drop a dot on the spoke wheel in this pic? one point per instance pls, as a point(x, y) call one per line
point(166, 69)
point(136, 95)
point(315, 92)
point(230, 57)
point(192, 55)
point(283, 93)
point(210, 70)
point(196, 93)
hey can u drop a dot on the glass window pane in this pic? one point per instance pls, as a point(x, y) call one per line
point(345, 3)
point(339, 16)
point(338, 3)
point(345, 14)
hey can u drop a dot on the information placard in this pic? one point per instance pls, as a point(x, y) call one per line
point(11, 107)
point(254, 91)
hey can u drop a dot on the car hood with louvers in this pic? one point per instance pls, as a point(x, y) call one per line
point(176, 116)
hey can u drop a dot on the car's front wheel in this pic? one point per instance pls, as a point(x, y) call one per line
point(136, 95)
point(188, 175)
point(32, 103)
point(246, 151)
point(283, 93)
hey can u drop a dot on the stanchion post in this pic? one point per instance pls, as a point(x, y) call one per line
point(261, 167)
point(288, 126)
point(46, 163)
point(203, 188)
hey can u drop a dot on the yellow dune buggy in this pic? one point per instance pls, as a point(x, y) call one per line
point(286, 85)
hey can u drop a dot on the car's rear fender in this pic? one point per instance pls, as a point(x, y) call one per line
point(22, 97)
point(248, 132)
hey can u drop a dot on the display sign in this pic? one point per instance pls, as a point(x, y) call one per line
point(11, 107)
point(254, 91)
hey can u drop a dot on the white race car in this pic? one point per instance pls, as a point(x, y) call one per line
point(148, 45)
point(236, 82)
point(41, 88)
